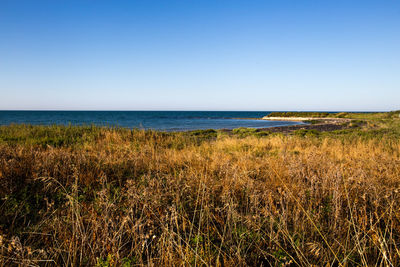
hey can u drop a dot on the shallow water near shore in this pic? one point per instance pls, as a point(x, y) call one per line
point(156, 120)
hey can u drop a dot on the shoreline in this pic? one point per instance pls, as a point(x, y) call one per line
point(305, 119)
point(322, 124)
point(324, 127)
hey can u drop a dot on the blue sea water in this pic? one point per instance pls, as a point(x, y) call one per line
point(157, 120)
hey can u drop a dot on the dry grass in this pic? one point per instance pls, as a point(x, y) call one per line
point(145, 198)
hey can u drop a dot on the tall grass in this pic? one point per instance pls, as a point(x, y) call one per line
point(110, 197)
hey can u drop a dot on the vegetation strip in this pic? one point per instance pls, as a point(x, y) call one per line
point(111, 196)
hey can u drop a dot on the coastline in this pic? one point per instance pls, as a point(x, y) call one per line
point(310, 123)
point(305, 119)
point(322, 127)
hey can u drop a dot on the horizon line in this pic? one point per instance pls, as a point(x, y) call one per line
point(187, 110)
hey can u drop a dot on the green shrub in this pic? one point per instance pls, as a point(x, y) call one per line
point(305, 132)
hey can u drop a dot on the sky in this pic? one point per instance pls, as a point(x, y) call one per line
point(200, 55)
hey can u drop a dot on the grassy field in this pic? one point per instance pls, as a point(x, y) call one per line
point(118, 197)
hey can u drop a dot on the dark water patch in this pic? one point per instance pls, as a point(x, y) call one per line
point(157, 120)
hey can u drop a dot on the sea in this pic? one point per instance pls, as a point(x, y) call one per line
point(156, 120)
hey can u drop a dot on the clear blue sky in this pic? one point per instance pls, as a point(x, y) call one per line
point(200, 55)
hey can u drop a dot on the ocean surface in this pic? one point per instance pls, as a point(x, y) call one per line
point(157, 120)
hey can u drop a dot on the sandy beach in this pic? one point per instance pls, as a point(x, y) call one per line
point(305, 119)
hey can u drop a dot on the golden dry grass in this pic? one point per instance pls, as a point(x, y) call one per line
point(146, 198)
